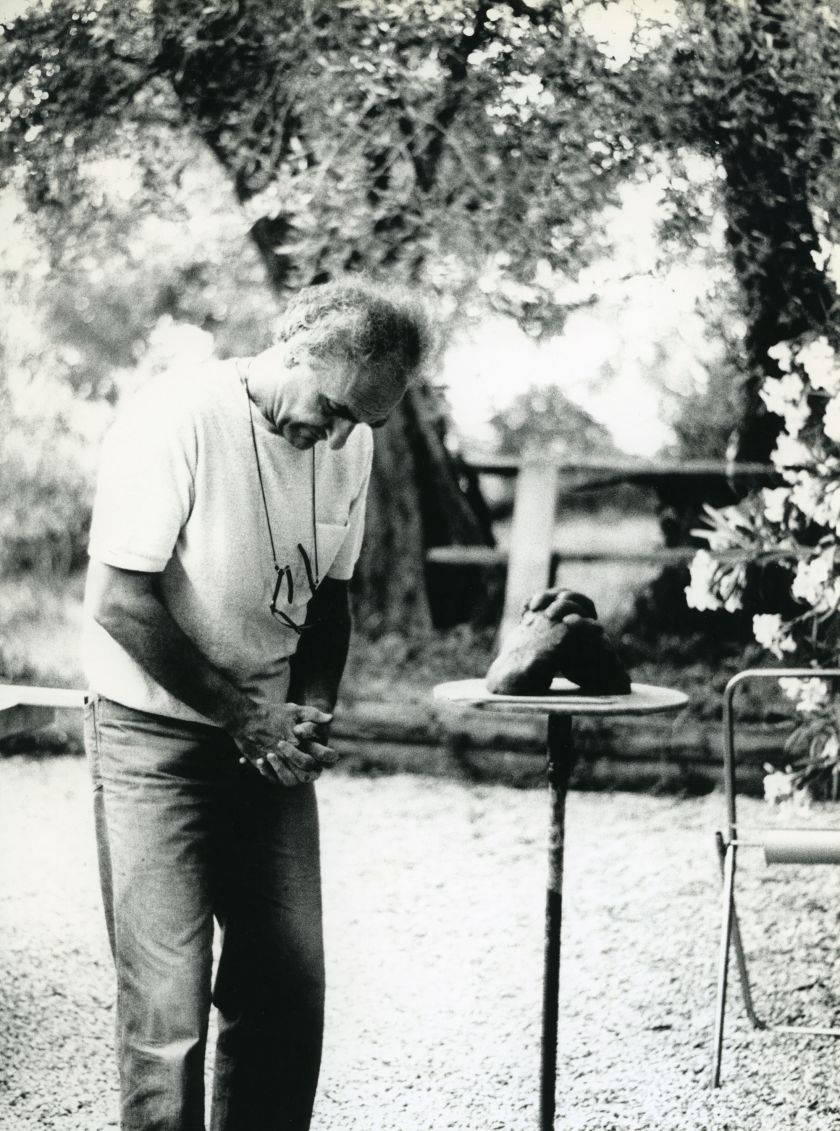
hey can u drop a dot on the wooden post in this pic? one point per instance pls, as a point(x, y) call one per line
point(531, 537)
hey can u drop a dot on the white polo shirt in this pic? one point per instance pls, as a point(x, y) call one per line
point(178, 494)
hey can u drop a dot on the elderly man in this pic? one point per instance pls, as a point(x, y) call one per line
point(216, 630)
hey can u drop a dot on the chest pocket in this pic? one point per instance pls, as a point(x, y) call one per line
point(295, 586)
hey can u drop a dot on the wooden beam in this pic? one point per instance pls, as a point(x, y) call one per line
point(509, 466)
point(467, 555)
point(497, 556)
point(22, 717)
point(24, 708)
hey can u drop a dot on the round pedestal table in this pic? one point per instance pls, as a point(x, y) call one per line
point(560, 705)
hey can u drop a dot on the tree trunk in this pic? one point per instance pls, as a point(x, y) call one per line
point(417, 500)
point(389, 586)
point(772, 236)
point(770, 228)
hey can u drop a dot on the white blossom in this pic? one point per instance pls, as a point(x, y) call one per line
point(786, 397)
point(815, 497)
point(831, 420)
point(771, 633)
point(808, 694)
point(778, 787)
point(781, 353)
point(820, 363)
point(808, 495)
point(812, 580)
point(778, 392)
point(832, 507)
point(711, 586)
point(774, 499)
point(790, 452)
point(700, 592)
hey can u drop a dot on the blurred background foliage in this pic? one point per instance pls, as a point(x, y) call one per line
point(544, 419)
point(170, 171)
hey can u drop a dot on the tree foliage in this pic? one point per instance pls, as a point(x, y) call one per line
point(756, 86)
point(419, 141)
point(791, 529)
point(426, 139)
point(417, 138)
point(463, 145)
point(544, 418)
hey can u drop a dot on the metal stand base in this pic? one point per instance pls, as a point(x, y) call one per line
point(731, 936)
point(562, 703)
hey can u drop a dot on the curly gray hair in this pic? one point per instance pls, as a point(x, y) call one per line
point(385, 335)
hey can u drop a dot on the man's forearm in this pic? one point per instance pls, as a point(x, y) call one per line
point(145, 628)
point(318, 664)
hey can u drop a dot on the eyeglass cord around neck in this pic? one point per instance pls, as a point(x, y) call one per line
point(314, 581)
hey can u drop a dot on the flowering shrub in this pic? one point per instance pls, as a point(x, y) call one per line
point(796, 526)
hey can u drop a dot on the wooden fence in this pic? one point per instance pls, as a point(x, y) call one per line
point(540, 482)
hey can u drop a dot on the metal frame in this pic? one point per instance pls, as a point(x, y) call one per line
point(727, 850)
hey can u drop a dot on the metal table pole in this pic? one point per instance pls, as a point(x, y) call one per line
point(561, 760)
point(561, 704)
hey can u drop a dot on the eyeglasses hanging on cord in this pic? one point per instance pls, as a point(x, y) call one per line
point(284, 573)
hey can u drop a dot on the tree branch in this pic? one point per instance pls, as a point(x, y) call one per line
point(429, 155)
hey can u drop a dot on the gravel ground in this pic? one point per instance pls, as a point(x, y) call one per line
point(434, 901)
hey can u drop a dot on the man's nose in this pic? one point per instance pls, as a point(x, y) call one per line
point(339, 430)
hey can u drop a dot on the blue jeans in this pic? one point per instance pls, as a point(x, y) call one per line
point(184, 833)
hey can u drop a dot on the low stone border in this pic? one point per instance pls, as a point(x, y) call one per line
point(652, 753)
point(672, 754)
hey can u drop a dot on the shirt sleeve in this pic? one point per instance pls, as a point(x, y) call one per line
point(345, 560)
point(144, 490)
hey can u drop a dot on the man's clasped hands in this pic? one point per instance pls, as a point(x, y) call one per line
point(286, 743)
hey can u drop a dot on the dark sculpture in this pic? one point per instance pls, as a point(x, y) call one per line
point(558, 634)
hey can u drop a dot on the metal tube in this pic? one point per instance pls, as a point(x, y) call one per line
point(802, 846)
point(723, 961)
point(560, 764)
point(729, 755)
point(729, 721)
point(740, 956)
point(806, 1030)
